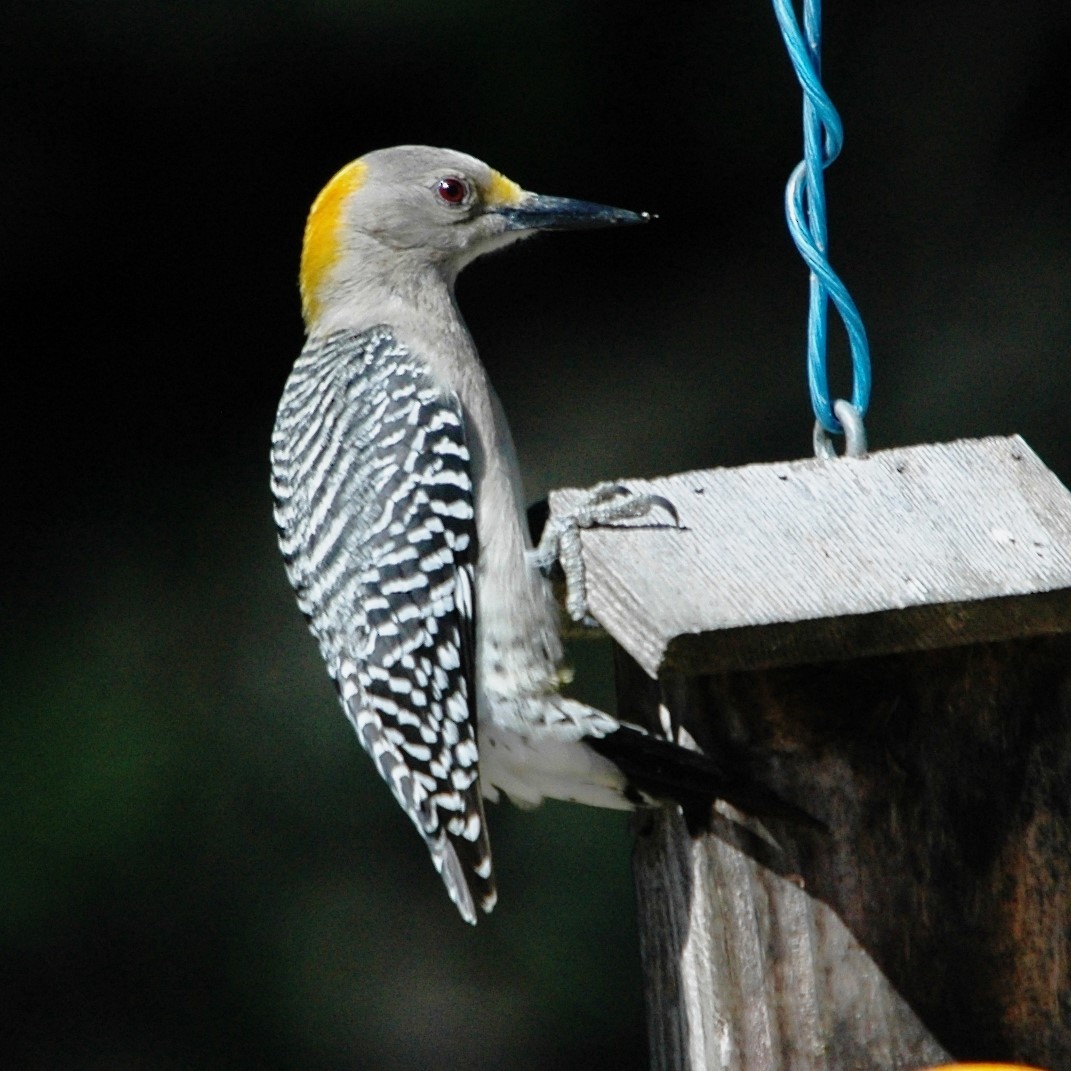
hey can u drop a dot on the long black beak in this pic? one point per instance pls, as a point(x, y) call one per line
point(538, 213)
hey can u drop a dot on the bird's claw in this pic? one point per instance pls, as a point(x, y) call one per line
point(604, 504)
point(665, 504)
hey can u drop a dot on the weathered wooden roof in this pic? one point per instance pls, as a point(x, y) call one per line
point(805, 561)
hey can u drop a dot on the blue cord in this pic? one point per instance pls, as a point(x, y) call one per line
point(805, 211)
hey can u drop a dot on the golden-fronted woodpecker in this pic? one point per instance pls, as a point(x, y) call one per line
point(403, 525)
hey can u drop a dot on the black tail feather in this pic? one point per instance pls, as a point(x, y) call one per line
point(662, 770)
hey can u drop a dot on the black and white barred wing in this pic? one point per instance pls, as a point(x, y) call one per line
point(374, 504)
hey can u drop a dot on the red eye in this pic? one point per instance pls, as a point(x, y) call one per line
point(452, 190)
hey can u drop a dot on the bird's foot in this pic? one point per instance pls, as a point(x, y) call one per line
point(604, 505)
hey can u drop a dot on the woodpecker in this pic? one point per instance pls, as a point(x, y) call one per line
point(403, 526)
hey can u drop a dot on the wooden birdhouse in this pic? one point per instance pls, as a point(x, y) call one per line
point(886, 642)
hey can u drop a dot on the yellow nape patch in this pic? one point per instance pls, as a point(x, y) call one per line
point(322, 234)
point(502, 191)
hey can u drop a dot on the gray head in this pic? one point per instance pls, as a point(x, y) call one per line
point(412, 208)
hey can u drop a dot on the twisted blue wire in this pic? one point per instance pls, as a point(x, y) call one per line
point(805, 211)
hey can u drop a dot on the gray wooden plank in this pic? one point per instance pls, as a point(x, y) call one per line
point(744, 971)
point(776, 564)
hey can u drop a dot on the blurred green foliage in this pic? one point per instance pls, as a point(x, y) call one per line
point(203, 863)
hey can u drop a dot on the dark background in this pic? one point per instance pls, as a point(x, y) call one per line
point(199, 867)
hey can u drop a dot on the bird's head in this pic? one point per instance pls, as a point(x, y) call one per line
point(413, 207)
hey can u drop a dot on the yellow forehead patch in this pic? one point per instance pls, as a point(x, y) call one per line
point(501, 190)
point(322, 234)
